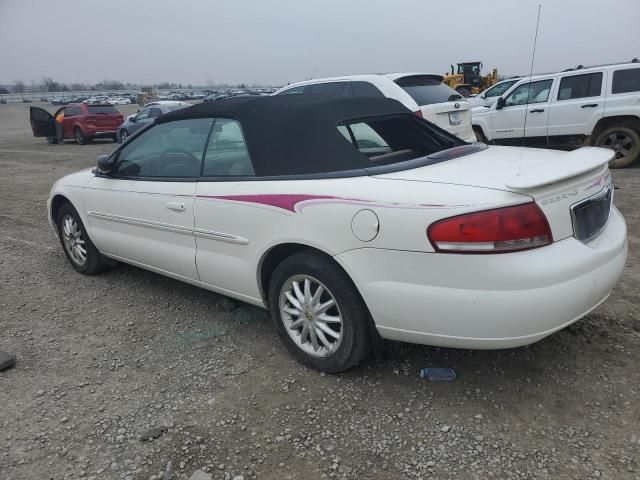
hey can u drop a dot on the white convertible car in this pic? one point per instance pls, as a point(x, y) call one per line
point(351, 220)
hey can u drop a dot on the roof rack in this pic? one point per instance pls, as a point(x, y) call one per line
point(580, 67)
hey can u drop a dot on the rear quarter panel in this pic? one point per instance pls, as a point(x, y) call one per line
point(260, 215)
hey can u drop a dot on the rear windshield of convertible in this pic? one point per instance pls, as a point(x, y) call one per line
point(395, 139)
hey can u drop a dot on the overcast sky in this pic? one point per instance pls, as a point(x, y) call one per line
point(278, 41)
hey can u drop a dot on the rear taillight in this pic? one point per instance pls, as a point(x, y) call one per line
point(418, 113)
point(493, 231)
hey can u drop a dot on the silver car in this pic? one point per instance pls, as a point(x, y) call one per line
point(145, 115)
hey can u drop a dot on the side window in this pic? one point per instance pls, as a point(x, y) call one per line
point(227, 154)
point(534, 92)
point(580, 86)
point(40, 115)
point(155, 112)
point(625, 81)
point(330, 88)
point(143, 114)
point(293, 90)
point(365, 89)
point(170, 150)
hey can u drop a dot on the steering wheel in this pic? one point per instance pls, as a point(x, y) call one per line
point(184, 158)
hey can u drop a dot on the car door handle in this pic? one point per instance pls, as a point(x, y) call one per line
point(589, 105)
point(177, 206)
point(537, 110)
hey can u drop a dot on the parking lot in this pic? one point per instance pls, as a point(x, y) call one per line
point(105, 362)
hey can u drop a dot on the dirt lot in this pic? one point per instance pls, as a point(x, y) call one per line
point(104, 359)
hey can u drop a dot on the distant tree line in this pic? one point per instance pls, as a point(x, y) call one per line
point(48, 84)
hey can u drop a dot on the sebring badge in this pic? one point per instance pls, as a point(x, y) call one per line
point(557, 198)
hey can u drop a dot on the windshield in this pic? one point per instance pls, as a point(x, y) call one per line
point(426, 90)
point(103, 109)
point(499, 89)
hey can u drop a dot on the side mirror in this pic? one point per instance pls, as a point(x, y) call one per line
point(104, 164)
point(500, 103)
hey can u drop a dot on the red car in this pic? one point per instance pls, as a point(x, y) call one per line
point(81, 122)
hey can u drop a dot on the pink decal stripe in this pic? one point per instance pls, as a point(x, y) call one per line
point(600, 181)
point(286, 201)
point(294, 202)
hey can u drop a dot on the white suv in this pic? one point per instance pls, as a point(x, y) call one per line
point(422, 93)
point(587, 106)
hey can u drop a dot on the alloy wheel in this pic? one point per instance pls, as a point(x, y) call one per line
point(73, 240)
point(123, 136)
point(620, 142)
point(311, 315)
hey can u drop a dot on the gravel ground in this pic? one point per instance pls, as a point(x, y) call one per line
point(129, 375)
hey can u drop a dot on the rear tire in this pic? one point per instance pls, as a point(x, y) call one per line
point(80, 137)
point(343, 326)
point(78, 247)
point(624, 140)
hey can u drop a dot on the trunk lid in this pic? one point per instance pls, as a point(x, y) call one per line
point(454, 117)
point(555, 180)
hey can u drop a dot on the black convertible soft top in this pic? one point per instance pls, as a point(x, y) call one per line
point(295, 134)
point(298, 134)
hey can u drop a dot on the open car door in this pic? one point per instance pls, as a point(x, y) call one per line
point(42, 122)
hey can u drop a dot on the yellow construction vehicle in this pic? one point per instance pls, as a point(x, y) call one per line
point(469, 80)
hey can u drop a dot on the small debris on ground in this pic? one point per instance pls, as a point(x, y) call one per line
point(153, 433)
point(7, 360)
point(438, 374)
point(200, 475)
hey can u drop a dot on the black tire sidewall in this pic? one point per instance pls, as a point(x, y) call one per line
point(480, 137)
point(628, 131)
point(122, 139)
point(355, 336)
point(79, 136)
point(94, 258)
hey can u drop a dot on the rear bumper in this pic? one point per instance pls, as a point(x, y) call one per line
point(487, 301)
point(97, 132)
point(464, 132)
point(103, 133)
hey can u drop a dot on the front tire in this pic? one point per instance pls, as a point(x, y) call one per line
point(479, 135)
point(319, 313)
point(80, 137)
point(624, 140)
point(78, 247)
point(124, 134)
